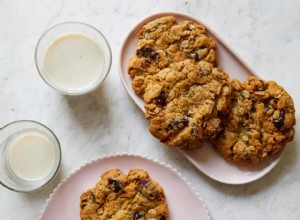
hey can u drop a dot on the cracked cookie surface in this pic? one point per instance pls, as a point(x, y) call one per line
point(259, 124)
point(163, 42)
point(184, 103)
point(118, 196)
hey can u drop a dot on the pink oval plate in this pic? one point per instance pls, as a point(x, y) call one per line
point(181, 197)
point(205, 159)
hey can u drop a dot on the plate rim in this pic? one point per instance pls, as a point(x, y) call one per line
point(191, 160)
point(99, 158)
point(275, 161)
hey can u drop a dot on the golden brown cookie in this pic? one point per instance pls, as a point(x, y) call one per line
point(259, 124)
point(163, 42)
point(184, 103)
point(119, 196)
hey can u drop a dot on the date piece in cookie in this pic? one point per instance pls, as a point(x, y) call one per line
point(184, 103)
point(163, 42)
point(260, 122)
point(118, 196)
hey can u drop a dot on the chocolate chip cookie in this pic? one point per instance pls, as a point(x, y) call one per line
point(184, 103)
point(259, 124)
point(163, 42)
point(124, 197)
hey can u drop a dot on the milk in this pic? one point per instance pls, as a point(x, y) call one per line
point(31, 155)
point(74, 62)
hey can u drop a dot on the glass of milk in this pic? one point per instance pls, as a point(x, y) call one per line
point(73, 58)
point(30, 156)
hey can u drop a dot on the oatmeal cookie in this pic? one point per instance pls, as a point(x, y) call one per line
point(184, 103)
point(163, 42)
point(259, 124)
point(124, 197)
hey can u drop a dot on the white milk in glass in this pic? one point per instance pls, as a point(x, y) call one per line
point(74, 62)
point(31, 155)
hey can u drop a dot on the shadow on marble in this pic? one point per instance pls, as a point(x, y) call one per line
point(44, 193)
point(92, 109)
point(173, 155)
point(176, 159)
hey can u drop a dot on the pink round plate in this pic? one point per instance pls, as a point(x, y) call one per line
point(182, 199)
point(205, 159)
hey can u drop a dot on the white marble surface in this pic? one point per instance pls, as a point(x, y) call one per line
point(266, 34)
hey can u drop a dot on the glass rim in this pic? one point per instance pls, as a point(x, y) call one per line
point(88, 89)
point(58, 165)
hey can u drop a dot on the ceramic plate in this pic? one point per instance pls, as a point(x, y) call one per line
point(205, 159)
point(182, 200)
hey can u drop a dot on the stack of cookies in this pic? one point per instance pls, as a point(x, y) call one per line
point(188, 99)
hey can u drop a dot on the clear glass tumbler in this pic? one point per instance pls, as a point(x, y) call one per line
point(11, 141)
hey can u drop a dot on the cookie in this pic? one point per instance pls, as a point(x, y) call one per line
point(259, 124)
point(124, 197)
point(184, 103)
point(163, 42)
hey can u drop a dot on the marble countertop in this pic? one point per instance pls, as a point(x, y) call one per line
point(266, 34)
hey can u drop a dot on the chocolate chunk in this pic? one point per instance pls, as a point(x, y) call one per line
point(142, 184)
point(267, 107)
point(116, 184)
point(161, 100)
point(253, 109)
point(189, 115)
point(178, 124)
point(148, 53)
point(153, 194)
point(163, 217)
point(279, 121)
point(83, 203)
point(93, 197)
point(194, 55)
point(137, 215)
